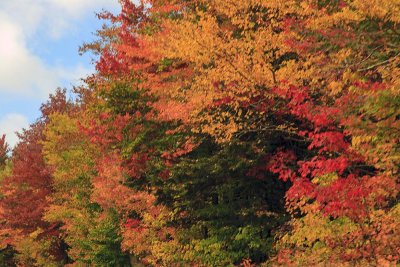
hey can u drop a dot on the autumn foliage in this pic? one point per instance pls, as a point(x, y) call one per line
point(217, 133)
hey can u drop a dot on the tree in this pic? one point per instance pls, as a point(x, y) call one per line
point(4, 150)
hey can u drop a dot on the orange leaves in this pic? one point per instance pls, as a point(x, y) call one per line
point(225, 45)
point(170, 110)
point(110, 191)
point(165, 7)
point(184, 149)
point(142, 219)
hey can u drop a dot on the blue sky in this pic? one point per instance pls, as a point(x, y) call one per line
point(39, 52)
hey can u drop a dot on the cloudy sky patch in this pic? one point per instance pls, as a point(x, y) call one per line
point(10, 123)
point(39, 52)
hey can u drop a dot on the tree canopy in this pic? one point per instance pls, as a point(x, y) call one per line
point(217, 133)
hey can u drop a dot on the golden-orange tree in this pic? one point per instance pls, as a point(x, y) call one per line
point(138, 88)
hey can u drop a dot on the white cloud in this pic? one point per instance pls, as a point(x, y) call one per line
point(21, 71)
point(11, 123)
point(72, 76)
point(61, 14)
point(24, 73)
point(78, 7)
point(53, 15)
point(26, 15)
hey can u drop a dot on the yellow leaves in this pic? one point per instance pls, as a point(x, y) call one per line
point(59, 127)
point(190, 41)
point(382, 9)
point(356, 141)
point(313, 235)
point(221, 131)
point(235, 43)
point(309, 229)
point(35, 250)
point(335, 87)
point(151, 234)
point(342, 55)
point(349, 76)
point(383, 225)
point(321, 20)
point(302, 204)
point(326, 179)
point(390, 74)
point(293, 72)
point(5, 171)
point(66, 149)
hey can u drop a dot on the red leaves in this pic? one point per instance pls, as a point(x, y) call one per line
point(223, 101)
point(183, 149)
point(106, 130)
point(332, 183)
point(136, 165)
point(165, 174)
point(319, 166)
point(133, 224)
point(324, 117)
point(279, 164)
point(344, 197)
point(28, 186)
point(328, 142)
point(110, 64)
point(301, 188)
point(340, 194)
point(355, 196)
point(113, 60)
